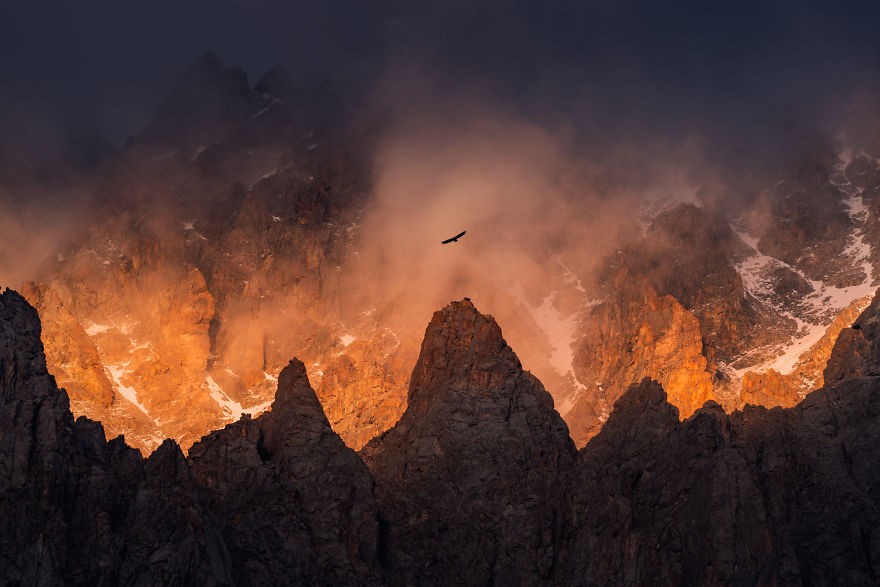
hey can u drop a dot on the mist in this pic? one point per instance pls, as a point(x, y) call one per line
point(545, 130)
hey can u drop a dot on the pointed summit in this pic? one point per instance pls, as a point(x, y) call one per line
point(208, 99)
point(289, 471)
point(297, 417)
point(461, 347)
point(477, 425)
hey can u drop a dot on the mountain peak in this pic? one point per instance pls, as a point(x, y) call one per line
point(297, 416)
point(22, 362)
point(475, 423)
point(463, 352)
point(209, 61)
point(207, 99)
point(276, 82)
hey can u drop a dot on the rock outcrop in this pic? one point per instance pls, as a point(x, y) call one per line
point(470, 479)
point(295, 501)
point(771, 389)
point(856, 352)
point(635, 335)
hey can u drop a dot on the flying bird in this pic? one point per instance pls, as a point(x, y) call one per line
point(455, 238)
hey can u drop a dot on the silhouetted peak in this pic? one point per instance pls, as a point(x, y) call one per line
point(21, 350)
point(167, 462)
point(461, 345)
point(467, 374)
point(476, 425)
point(294, 387)
point(209, 61)
point(640, 417)
point(647, 395)
point(297, 416)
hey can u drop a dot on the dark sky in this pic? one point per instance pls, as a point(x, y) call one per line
point(106, 64)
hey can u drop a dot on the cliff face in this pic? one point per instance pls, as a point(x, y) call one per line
point(771, 389)
point(477, 483)
point(743, 309)
point(635, 335)
point(214, 255)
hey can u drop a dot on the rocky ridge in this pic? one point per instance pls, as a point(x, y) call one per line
point(228, 238)
point(478, 482)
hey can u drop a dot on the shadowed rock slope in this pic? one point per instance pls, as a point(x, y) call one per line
point(298, 504)
point(479, 483)
point(77, 509)
point(758, 497)
point(471, 478)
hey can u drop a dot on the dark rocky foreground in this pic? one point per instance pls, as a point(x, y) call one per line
point(479, 483)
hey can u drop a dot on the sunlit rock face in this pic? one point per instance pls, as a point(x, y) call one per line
point(141, 327)
point(216, 252)
point(636, 335)
point(744, 310)
point(771, 389)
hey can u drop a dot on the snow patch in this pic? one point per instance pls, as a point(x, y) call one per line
point(227, 404)
point(95, 329)
point(347, 339)
point(817, 309)
point(233, 409)
point(568, 274)
point(561, 333)
point(116, 373)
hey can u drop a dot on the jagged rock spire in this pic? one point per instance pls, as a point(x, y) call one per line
point(479, 426)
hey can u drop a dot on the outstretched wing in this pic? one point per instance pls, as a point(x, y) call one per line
point(455, 238)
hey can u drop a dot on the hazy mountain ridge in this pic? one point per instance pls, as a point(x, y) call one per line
point(228, 238)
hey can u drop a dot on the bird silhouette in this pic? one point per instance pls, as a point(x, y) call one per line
point(455, 238)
